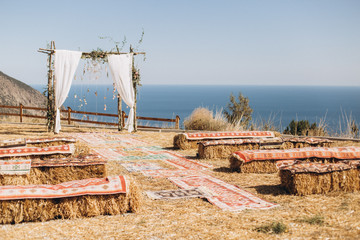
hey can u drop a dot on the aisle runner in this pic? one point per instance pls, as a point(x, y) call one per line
point(167, 173)
point(140, 166)
point(188, 175)
point(225, 196)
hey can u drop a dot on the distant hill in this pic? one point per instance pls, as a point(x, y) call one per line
point(13, 92)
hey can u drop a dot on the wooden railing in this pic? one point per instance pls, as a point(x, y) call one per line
point(70, 119)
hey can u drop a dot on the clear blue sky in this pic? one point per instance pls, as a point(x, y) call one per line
point(304, 42)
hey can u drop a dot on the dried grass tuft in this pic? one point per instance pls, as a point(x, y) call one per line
point(320, 183)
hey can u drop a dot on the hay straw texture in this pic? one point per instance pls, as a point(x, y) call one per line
point(266, 166)
point(55, 175)
point(305, 183)
point(223, 151)
point(181, 142)
point(35, 210)
point(306, 142)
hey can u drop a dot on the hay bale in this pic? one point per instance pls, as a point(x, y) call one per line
point(270, 165)
point(302, 179)
point(48, 142)
point(224, 148)
point(55, 171)
point(54, 175)
point(181, 142)
point(190, 140)
point(298, 142)
point(35, 210)
point(222, 151)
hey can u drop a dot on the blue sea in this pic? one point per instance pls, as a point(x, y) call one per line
point(277, 104)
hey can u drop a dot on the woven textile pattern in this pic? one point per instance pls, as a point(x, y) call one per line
point(225, 196)
point(299, 153)
point(28, 151)
point(220, 135)
point(15, 167)
point(92, 186)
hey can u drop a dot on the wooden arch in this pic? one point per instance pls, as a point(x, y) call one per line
point(51, 83)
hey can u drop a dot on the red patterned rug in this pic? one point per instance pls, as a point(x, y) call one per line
point(35, 151)
point(87, 160)
point(184, 163)
point(299, 153)
point(167, 173)
point(225, 196)
point(93, 186)
point(221, 135)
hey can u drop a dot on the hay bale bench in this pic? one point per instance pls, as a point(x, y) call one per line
point(190, 140)
point(264, 161)
point(224, 148)
point(75, 199)
point(36, 142)
point(51, 171)
point(321, 178)
point(297, 142)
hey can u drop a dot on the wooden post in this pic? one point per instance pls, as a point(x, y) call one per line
point(177, 123)
point(21, 112)
point(120, 115)
point(54, 96)
point(135, 88)
point(69, 115)
point(50, 96)
point(123, 119)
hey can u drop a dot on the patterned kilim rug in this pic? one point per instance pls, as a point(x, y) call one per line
point(167, 173)
point(71, 161)
point(178, 193)
point(225, 196)
point(93, 186)
point(299, 153)
point(140, 166)
point(15, 167)
point(12, 143)
point(47, 140)
point(222, 135)
point(28, 151)
point(108, 153)
point(184, 163)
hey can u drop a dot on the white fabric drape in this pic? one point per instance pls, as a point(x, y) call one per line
point(121, 71)
point(65, 64)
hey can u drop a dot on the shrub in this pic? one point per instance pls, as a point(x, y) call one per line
point(203, 119)
point(304, 128)
point(239, 112)
point(274, 227)
point(317, 219)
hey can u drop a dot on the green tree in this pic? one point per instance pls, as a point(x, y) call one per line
point(238, 110)
point(304, 128)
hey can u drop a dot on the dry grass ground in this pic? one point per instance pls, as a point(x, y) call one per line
point(197, 218)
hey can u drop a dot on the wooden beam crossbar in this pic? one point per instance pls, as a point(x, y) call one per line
point(88, 54)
